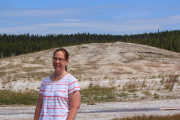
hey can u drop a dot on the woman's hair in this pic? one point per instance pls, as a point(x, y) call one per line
point(66, 54)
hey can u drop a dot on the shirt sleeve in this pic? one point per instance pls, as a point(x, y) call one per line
point(42, 86)
point(73, 85)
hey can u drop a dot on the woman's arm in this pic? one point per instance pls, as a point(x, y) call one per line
point(38, 107)
point(75, 99)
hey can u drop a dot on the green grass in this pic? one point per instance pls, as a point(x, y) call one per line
point(123, 94)
point(26, 98)
point(94, 94)
point(91, 95)
point(167, 117)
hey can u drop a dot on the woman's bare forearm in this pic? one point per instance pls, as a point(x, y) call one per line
point(38, 108)
point(74, 105)
point(72, 114)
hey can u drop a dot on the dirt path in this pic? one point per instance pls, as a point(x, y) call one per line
point(101, 111)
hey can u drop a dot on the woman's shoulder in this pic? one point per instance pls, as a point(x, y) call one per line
point(70, 77)
point(46, 79)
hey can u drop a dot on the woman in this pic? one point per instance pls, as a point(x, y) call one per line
point(59, 96)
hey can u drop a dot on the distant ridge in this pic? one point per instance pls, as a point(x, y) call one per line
point(12, 45)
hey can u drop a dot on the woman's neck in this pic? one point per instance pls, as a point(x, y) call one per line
point(58, 75)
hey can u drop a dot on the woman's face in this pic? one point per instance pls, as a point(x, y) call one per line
point(59, 61)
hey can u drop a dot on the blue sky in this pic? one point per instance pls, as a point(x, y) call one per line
point(89, 16)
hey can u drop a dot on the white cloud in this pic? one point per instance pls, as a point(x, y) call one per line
point(76, 25)
point(170, 20)
point(33, 12)
point(71, 20)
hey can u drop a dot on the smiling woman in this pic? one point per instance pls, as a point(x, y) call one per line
point(59, 96)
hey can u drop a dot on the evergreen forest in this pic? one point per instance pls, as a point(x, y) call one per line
point(12, 45)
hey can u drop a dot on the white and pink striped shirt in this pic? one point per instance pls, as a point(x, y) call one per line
point(55, 97)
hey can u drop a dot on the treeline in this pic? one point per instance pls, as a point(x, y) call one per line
point(12, 45)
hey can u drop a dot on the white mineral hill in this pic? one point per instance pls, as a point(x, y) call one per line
point(105, 64)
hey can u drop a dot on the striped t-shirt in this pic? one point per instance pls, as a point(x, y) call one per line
point(55, 97)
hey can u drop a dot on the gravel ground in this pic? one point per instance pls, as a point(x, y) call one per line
point(100, 111)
